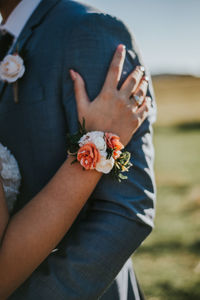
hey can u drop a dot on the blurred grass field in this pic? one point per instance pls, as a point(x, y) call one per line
point(168, 262)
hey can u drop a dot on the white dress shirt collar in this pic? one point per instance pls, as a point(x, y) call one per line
point(19, 16)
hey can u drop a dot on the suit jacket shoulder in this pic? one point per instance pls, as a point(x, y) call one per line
point(79, 17)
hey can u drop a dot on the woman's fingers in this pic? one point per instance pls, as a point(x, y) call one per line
point(116, 66)
point(131, 83)
point(81, 96)
point(141, 91)
point(143, 110)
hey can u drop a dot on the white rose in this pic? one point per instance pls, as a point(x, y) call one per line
point(100, 143)
point(105, 165)
point(95, 137)
point(11, 68)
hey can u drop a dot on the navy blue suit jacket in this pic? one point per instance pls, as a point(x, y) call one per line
point(60, 35)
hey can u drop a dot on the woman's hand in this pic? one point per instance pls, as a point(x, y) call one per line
point(114, 110)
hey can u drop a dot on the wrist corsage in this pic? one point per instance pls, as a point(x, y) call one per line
point(99, 151)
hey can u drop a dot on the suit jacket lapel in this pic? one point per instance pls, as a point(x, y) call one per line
point(34, 21)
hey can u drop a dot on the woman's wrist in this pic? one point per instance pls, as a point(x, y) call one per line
point(100, 151)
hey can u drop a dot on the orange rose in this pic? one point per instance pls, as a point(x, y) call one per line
point(88, 156)
point(113, 141)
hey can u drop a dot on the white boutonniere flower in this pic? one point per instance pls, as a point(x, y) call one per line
point(11, 69)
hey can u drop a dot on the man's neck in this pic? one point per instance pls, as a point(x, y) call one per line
point(6, 8)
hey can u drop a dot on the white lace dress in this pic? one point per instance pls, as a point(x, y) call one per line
point(10, 175)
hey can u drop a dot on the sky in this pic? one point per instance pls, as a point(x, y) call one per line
point(167, 31)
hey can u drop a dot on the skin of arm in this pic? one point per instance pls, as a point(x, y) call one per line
point(20, 256)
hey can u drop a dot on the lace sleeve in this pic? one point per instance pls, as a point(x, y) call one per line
point(10, 174)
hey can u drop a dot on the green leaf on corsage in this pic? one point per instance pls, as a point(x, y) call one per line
point(122, 164)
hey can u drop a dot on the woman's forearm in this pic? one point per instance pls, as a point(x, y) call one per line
point(36, 229)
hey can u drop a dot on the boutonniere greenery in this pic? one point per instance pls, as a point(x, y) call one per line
point(11, 69)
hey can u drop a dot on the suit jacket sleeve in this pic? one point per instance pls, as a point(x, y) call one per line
point(105, 236)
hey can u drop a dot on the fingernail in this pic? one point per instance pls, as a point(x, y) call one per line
point(73, 74)
point(121, 48)
point(142, 69)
